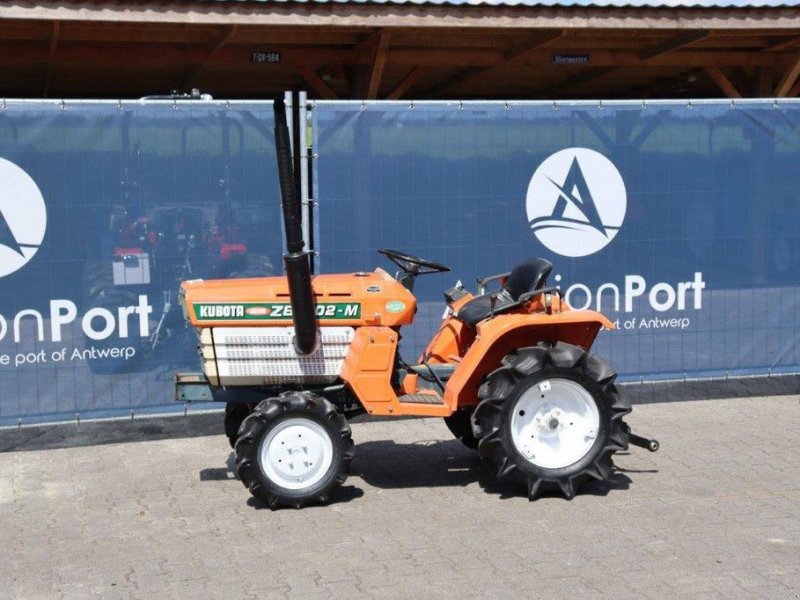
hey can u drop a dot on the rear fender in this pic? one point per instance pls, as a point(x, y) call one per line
point(503, 334)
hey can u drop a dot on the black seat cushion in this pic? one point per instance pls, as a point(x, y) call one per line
point(527, 277)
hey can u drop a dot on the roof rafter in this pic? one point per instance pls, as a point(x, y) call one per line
point(723, 82)
point(315, 81)
point(674, 43)
point(575, 81)
point(406, 83)
point(534, 42)
point(220, 40)
point(378, 63)
point(789, 78)
point(48, 78)
point(786, 44)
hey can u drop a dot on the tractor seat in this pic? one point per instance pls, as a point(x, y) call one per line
point(527, 277)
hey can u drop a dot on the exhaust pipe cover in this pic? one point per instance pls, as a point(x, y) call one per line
point(296, 259)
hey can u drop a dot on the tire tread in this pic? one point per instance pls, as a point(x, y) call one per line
point(256, 425)
point(495, 393)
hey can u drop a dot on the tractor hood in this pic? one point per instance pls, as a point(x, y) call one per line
point(351, 299)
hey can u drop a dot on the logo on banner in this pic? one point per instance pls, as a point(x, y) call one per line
point(576, 202)
point(23, 218)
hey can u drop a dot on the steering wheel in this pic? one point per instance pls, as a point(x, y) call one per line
point(414, 264)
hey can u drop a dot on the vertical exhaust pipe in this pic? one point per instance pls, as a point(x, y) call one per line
point(295, 259)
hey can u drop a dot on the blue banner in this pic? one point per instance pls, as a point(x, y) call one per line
point(104, 209)
point(680, 222)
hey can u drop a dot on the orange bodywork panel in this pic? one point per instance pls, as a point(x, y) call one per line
point(451, 341)
point(354, 299)
point(376, 305)
point(505, 333)
point(368, 371)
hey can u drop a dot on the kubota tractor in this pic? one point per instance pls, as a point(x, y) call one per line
point(510, 371)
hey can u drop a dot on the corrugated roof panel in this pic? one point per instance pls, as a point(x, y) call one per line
point(567, 3)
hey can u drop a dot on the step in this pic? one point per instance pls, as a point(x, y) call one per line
point(421, 399)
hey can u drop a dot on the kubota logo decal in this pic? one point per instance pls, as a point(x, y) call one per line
point(23, 218)
point(576, 202)
point(223, 311)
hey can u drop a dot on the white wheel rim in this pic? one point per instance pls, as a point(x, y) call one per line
point(555, 423)
point(296, 453)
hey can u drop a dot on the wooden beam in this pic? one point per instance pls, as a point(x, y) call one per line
point(789, 78)
point(370, 41)
point(164, 56)
point(223, 38)
point(413, 76)
point(784, 45)
point(572, 82)
point(762, 83)
point(211, 50)
point(534, 42)
point(48, 78)
point(673, 43)
point(795, 91)
point(723, 82)
point(740, 80)
point(518, 51)
point(315, 81)
point(378, 63)
point(454, 80)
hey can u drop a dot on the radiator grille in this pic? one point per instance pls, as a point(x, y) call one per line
point(266, 356)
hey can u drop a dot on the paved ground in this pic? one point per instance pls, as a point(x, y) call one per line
point(715, 514)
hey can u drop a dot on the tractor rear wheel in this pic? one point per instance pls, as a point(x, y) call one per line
point(550, 418)
point(293, 450)
point(460, 426)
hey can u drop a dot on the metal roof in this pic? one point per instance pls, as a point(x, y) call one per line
point(568, 3)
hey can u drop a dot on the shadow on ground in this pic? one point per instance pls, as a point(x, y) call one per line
point(72, 435)
point(386, 464)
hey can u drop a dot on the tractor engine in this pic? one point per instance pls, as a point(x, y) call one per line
point(246, 331)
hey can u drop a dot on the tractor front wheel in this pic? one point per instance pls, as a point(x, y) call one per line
point(293, 450)
point(235, 414)
point(550, 418)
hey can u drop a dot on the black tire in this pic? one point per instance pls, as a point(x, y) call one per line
point(268, 416)
point(525, 368)
point(460, 425)
point(235, 414)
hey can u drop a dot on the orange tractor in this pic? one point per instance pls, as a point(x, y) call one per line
point(293, 357)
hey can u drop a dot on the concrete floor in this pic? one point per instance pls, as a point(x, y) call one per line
point(150, 509)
